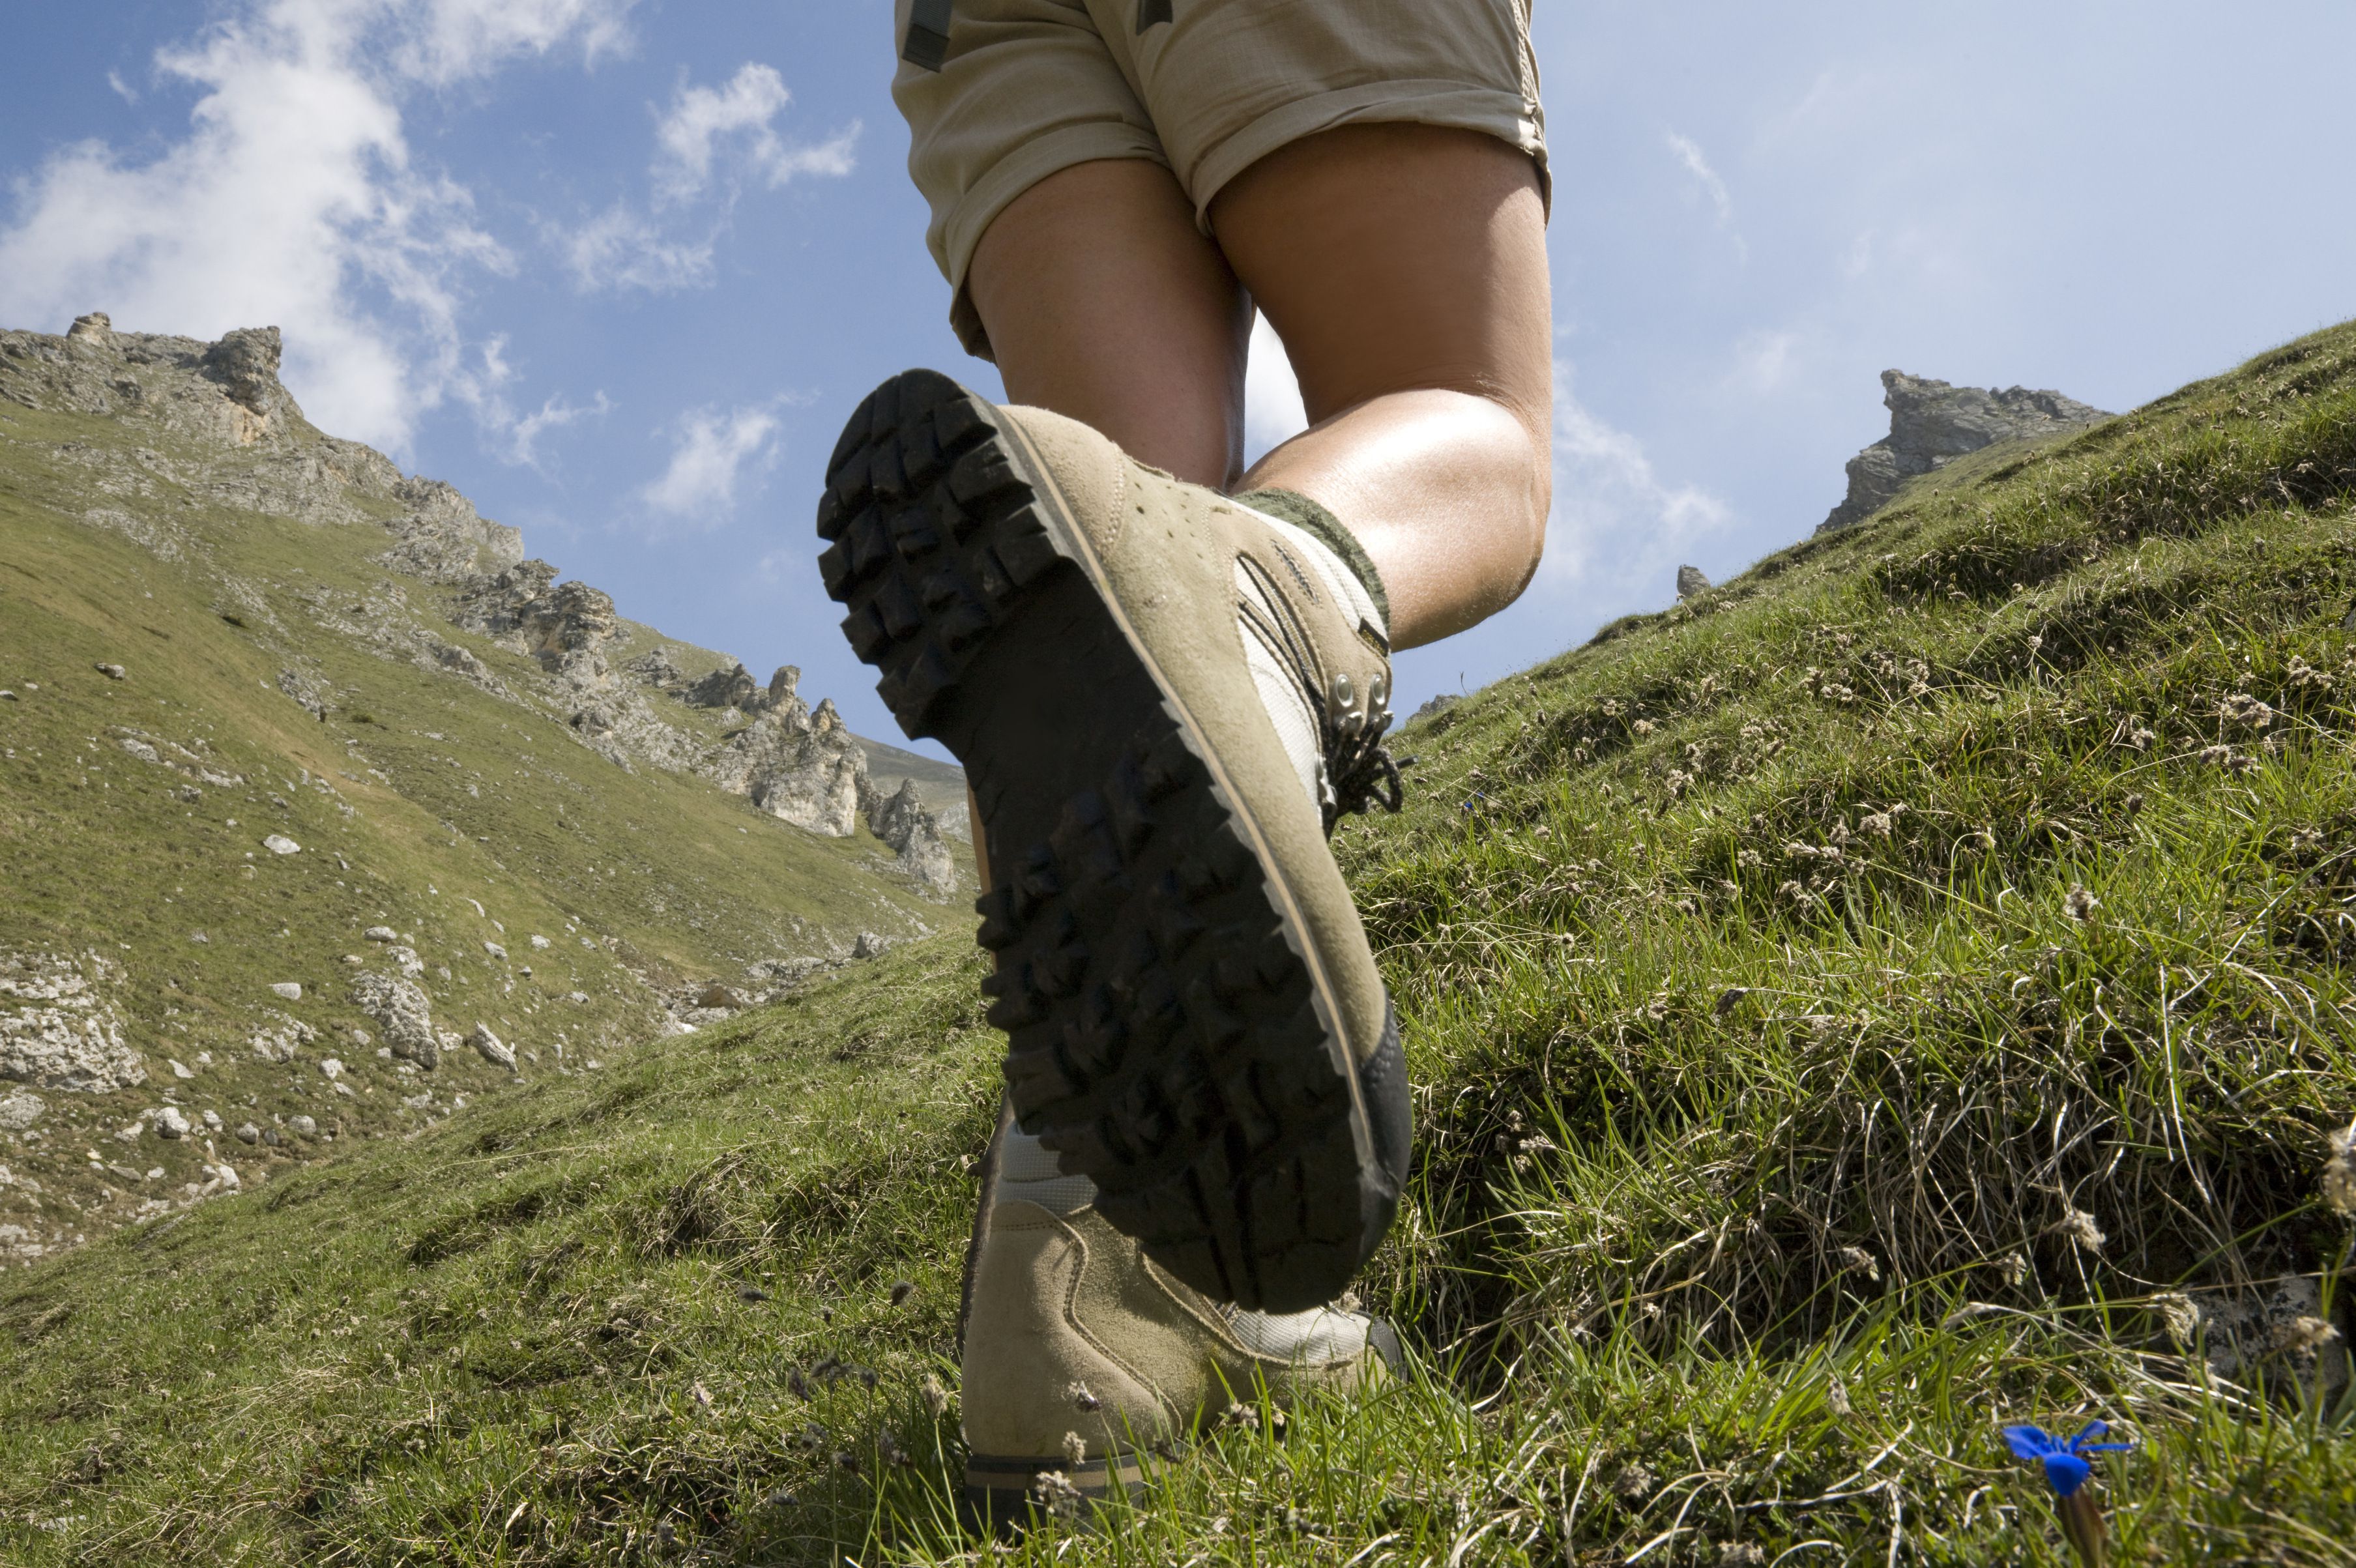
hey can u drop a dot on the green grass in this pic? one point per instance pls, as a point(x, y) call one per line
point(1765, 1127)
point(421, 801)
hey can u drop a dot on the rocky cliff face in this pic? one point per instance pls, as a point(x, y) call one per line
point(1931, 423)
point(801, 766)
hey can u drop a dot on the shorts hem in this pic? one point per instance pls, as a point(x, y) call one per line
point(1507, 117)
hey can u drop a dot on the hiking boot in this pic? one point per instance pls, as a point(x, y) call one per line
point(1081, 1356)
point(1163, 699)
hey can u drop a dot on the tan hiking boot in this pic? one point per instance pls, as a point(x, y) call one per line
point(1163, 699)
point(1081, 1356)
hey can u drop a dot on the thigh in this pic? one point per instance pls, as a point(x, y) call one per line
point(1104, 301)
point(1397, 258)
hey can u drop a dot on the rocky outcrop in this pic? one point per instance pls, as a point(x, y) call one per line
point(57, 1028)
point(901, 820)
point(1691, 581)
point(800, 766)
point(1931, 423)
point(403, 1013)
point(732, 686)
point(445, 539)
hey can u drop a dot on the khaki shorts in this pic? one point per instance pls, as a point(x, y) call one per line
point(1030, 87)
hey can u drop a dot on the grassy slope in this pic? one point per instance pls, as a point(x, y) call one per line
point(1748, 1170)
point(453, 795)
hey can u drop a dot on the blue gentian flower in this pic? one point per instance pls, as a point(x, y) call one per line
point(2066, 1468)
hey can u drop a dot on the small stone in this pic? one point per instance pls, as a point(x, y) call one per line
point(380, 934)
point(540, 942)
point(279, 843)
point(302, 1126)
point(331, 1067)
point(111, 671)
point(19, 1109)
point(178, 1070)
point(491, 1048)
point(362, 1036)
point(171, 1122)
point(247, 1133)
point(495, 951)
point(211, 1119)
point(289, 989)
point(199, 936)
point(870, 945)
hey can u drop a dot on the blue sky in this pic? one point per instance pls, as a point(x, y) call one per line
point(619, 270)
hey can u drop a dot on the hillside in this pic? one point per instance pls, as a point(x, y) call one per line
point(1904, 989)
point(261, 696)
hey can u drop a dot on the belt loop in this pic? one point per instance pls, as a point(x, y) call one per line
point(928, 45)
point(1148, 12)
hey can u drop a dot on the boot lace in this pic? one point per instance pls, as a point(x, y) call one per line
point(1360, 772)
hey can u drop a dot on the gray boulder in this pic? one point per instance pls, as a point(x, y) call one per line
point(1690, 582)
point(1931, 423)
point(403, 1013)
point(491, 1048)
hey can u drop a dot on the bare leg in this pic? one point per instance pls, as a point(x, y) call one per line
point(1404, 266)
point(1105, 303)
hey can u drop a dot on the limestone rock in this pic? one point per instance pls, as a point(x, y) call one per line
point(403, 1013)
point(247, 1133)
point(800, 767)
point(19, 1109)
point(870, 945)
point(730, 686)
point(290, 990)
point(491, 1048)
point(1931, 423)
point(1690, 581)
point(380, 934)
point(171, 1123)
point(302, 1126)
point(279, 843)
point(57, 1030)
point(97, 326)
point(281, 1036)
point(901, 820)
point(443, 540)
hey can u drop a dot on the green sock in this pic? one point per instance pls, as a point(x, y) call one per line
point(1292, 507)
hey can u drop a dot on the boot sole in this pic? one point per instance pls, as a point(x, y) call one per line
point(1167, 1035)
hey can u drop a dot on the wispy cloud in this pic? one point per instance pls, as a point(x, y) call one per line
point(1619, 530)
point(1688, 153)
point(621, 248)
point(710, 143)
point(294, 199)
point(711, 453)
point(705, 120)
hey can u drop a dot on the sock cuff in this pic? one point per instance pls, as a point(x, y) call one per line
point(1292, 507)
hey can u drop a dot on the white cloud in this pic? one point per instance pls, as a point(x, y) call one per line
point(709, 132)
point(619, 249)
point(1618, 532)
point(710, 452)
point(293, 199)
point(1273, 413)
point(1688, 153)
point(738, 115)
